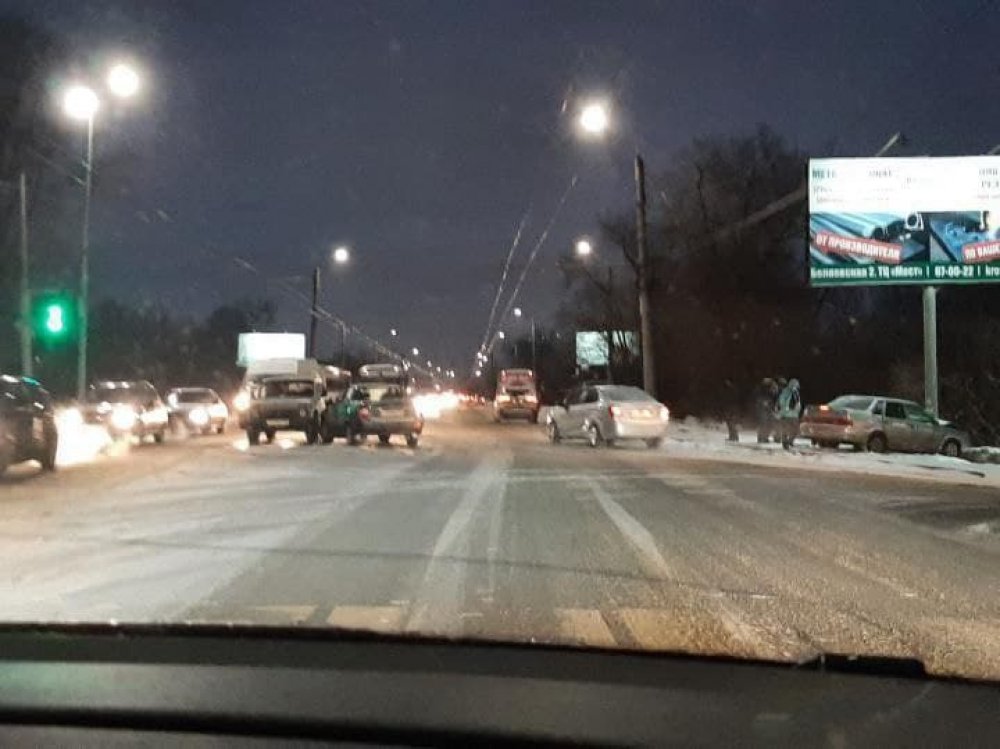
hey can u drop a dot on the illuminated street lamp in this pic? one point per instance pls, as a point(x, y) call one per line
point(594, 119)
point(81, 103)
point(479, 373)
point(123, 81)
point(341, 255)
point(584, 248)
point(517, 312)
point(501, 335)
point(416, 351)
point(393, 333)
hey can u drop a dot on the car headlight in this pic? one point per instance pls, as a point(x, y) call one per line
point(218, 411)
point(69, 418)
point(242, 401)
point(198, 417)
point(123, 417)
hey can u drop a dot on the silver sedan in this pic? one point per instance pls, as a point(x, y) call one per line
point(604, 414)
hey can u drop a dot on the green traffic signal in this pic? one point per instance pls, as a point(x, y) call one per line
point(55, 322)
point(53, 317)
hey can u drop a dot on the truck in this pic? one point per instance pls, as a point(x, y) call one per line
point(517, 395)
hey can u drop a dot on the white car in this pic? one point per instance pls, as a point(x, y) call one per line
point(604, 414)
point(197, 410)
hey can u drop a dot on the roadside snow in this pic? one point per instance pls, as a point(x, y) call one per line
point(694, 438)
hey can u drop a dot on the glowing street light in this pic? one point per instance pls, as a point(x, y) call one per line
point(479, 373)
point(416, 351)
point(584, 248)
point(81, 103)
point(123, 81)
point(393, 332)
point(341, 255)
point(517, 312)
point(429, 364)
point(501, 335)
point(594, 118)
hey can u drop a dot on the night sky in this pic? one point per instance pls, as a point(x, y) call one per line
point(419, 133)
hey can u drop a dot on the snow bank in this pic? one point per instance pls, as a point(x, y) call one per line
point(694, 438)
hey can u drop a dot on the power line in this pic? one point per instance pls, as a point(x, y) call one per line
point(503, 275)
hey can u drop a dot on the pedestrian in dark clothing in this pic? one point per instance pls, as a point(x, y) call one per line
point(767, 393)
point(789, 409)
point(730, 410)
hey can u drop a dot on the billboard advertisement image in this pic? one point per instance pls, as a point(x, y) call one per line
point(592, 346)
point(254, 347)
point(904, 220)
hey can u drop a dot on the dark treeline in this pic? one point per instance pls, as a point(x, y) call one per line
point(730, 311)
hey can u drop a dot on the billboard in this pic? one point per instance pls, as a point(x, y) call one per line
point(255, 347)
point(592, 346)
point(904, 221)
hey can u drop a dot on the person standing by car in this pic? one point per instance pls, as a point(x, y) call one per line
point(789, 408)
point(767, 393)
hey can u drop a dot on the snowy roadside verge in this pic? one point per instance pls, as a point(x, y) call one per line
point(693, 438)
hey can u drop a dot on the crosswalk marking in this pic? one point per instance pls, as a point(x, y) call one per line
point(585, 626)
point(374, 618)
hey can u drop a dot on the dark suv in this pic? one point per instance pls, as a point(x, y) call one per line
point(27, 423)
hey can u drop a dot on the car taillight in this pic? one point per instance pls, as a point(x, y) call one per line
point(614, 412)
point(364, 414)
point(530, 399)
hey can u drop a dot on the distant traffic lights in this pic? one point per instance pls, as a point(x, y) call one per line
point(54, 317)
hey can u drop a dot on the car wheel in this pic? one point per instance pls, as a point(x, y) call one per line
point(269, 434)
point(253, 436)
point(326, 432)
point(534, 417)
point(554, 437)
point(312, 432)
point(412, 441)
point(158, 437)
point(352, 436)
point(654, 443)
point(877, 443)
point(384, 439)
point(48, 459)
point(220, 429)
point(951, 448)
point(593, 436)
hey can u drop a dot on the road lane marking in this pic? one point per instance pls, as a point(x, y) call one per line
point(634, 532)
point(373, 618)
point(437, 603)
point(584, 626)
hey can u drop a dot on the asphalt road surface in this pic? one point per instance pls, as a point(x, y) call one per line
point(488, 531)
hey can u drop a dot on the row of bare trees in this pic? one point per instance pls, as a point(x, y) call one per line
point(732, 308)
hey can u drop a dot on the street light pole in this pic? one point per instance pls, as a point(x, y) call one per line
point(25, 293)
point(81, 362)
point(534, 348)
point(314, 314)
point(642, 260)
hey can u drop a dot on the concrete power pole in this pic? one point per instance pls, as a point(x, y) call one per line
point(642, 258)
point(25, 291)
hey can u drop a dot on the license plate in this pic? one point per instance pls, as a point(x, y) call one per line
point(391, 414)
point(277, 422)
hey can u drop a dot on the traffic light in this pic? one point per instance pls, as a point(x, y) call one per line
point(54, 317)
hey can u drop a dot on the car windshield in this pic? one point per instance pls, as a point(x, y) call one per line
point(120, 394)
point(564, 322)
point(196, 396)
point(851, 403)
point(288, 389)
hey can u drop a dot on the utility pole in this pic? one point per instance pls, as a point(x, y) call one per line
point(314, 314)
point(609, 323)
point(642, 259)
point(534, 349)
point(343, 345)
point(25, 292)
point(81, 362)
point(930, 349)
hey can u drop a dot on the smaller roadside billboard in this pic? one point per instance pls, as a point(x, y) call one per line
point(592, 346)
point(254, 347)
